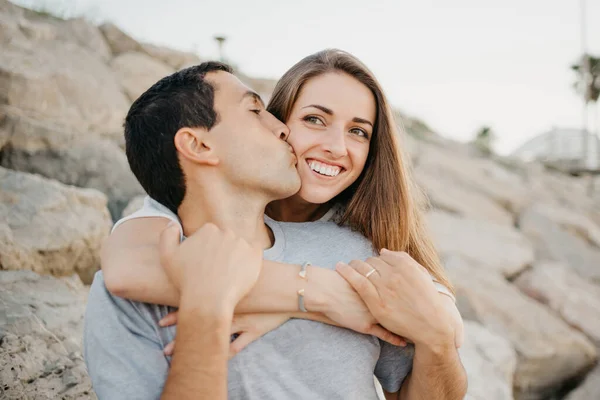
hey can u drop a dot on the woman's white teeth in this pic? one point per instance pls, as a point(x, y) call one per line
point(324, 169)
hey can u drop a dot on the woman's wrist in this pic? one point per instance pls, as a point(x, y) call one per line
point(317, 298)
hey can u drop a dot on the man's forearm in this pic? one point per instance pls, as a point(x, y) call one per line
point(437, 373)
point(199, 367)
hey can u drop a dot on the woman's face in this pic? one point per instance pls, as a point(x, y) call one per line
point(331, 125)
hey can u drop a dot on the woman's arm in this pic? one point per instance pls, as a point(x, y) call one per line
point(131, 265)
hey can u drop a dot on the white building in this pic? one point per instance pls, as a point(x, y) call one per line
point(561, 147)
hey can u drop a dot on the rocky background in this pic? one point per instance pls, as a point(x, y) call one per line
point(522, 244)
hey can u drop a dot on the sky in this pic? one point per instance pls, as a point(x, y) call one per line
point(457, 65)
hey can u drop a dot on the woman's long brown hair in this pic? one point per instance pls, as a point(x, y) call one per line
point(384, 204)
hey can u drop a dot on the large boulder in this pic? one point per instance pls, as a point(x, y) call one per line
point(41, 321)
point(118, 41)
point(50, 228)
point(550, 353)
point(460, 169)
point(493, 247)
point(559, 240)
point(138, 71)
point(489, 361)
point(447, 196)
point(566, 293)
point(61, 83)
point(90, 163)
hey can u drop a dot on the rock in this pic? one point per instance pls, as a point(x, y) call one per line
point(445, 195)
point(566, 293)
point(174, 58)
point(550, 352)
point(62, 84)
point(118, 41)
point(481, 175)
point(553, 242)
point(493, 247)
point(138, 71)
point(135, 204)
point(589, 389)
point(91, 163)
point(578, 224)
point(41, 321)
point(87, 35)
point(490, 362)
point(50, 228)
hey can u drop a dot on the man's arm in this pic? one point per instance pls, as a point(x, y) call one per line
point(200, 364)
point(210, 289)
point(437, 374)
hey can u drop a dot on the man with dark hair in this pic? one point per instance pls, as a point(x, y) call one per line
point(176, 133)
point(184, 99)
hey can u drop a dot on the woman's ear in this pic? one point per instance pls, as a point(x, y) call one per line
point(195, 146)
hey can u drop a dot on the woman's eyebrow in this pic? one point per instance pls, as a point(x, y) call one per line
point(362, 121)
point(322, 108)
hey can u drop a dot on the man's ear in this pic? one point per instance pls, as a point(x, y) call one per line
point(194, 145)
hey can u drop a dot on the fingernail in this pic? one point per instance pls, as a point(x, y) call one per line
point(384, 250)
point(162, 322)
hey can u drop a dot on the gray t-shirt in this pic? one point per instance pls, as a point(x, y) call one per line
point(301, 359)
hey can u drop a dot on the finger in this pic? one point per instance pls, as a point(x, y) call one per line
point(169, 319)
point(168, 243)
point(387, 336)
point(365, 269)
point(242, 341)
point(365, 288)
point(169, 349)
point(383, 268)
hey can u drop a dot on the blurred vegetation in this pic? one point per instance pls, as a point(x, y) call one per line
point(484, 140)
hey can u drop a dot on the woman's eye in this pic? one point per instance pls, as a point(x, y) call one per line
point(360, 132)
point(257, 111)
point(313, 120)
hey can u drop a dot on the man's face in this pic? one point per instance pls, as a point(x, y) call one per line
point(249, 144)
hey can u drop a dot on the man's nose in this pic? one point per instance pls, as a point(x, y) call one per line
point(282, 131)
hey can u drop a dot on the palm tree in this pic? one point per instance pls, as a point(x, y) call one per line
point(588, 84)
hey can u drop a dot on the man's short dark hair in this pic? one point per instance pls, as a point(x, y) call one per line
point(183, 99)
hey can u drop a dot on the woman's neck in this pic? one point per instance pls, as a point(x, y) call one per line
point(295, 209)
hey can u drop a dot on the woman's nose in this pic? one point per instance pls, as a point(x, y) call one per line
point(336, 145)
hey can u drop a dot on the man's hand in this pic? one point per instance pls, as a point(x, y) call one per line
point(212, 268)
point(337, 300)
point(401, 296)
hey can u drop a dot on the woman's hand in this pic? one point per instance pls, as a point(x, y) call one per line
point(332, 296)
point(247, 327)
point(401, 296)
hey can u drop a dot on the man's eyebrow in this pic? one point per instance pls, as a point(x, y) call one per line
point(253, 95)
point(328, 111)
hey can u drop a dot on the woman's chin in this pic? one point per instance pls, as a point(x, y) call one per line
point(316, 195)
